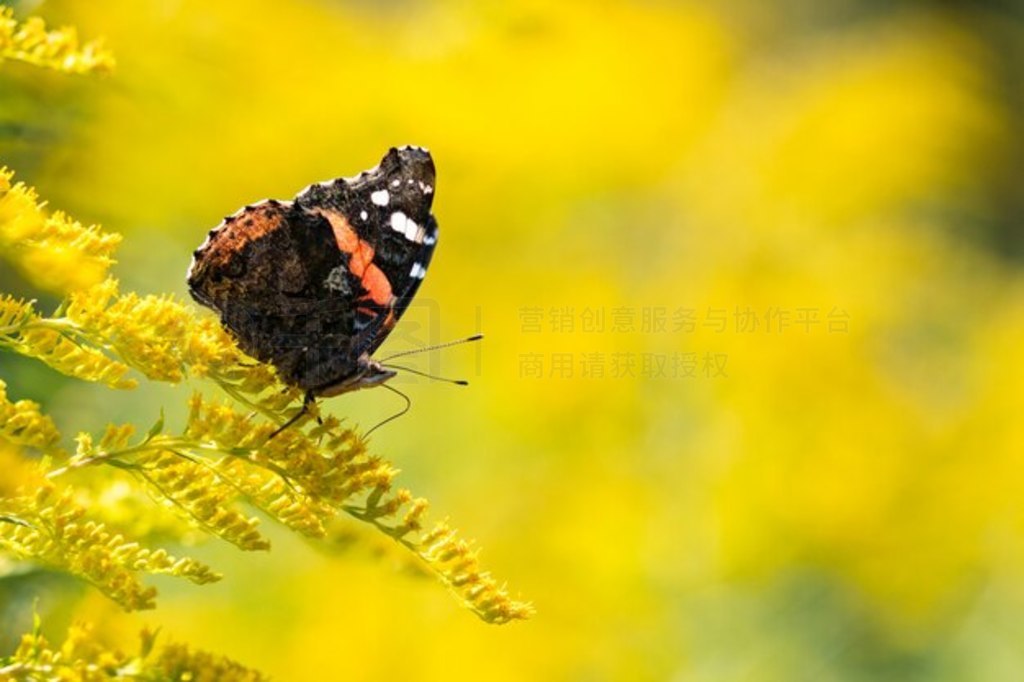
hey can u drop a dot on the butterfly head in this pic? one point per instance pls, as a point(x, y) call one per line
point(368, 373)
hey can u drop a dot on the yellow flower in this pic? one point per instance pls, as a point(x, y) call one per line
point(22, 423)
point(52, 251)
point(146, 332)
point(50, 528)
point(303, 479)
point(60, 49)
point(68, 355)
point(86, 656)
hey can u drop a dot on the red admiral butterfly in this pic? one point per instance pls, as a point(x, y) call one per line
point(314, 285)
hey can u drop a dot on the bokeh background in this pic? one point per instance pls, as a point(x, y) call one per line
point(750, 274)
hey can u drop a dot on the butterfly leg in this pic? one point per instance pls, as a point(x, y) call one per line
point(308, 400)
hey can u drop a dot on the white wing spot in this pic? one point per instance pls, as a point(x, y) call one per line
point(380, 197)
point(425, 188)
point(363, 215)
point(418, 271)
point(396, 182)
point(401, 223)
point(398, 221)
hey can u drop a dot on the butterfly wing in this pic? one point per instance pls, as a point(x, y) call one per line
point(313, 284)
point(262, 270)
point(382, 224)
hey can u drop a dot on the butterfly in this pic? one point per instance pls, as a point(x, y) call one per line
point(314, 285)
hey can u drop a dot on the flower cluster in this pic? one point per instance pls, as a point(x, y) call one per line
point(100, 335)
point(22, 423)
point(86, 657)
point(30, 42)
point(53, 251)
point(56, 342)
point(303, 478)
point(48, 527)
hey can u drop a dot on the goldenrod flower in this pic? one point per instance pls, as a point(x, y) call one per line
point(116, 501)
point(457, 565)
point(59, 49)
point(55, 343)
point(146, 332)
point(52, 251)
point(22, 423)
point(303, 479)
point(50, 528)
point(14, 313)
point(85, 656)
point(100, 335)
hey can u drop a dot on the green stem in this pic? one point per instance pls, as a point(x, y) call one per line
point(172, 444)
point(230, 389)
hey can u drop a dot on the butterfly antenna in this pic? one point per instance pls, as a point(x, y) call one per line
point(396, 415)
point(410, 370)
point(475, 337)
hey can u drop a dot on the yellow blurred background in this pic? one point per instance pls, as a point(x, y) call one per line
point(750, 277)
